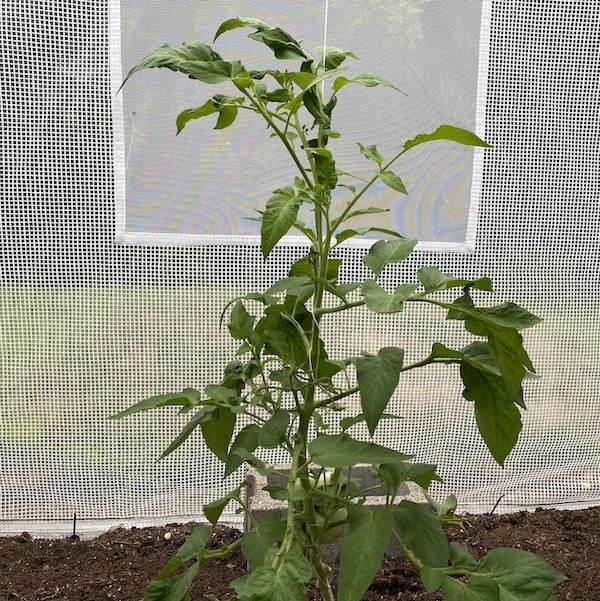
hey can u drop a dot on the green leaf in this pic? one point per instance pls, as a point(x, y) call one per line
point(263, 537)
point(498, 418)
point(422, 533)
point(236, 23)
point(506, 345)
point(385, 252)
point(476, 589)
point(227, 115)
point(213, 510)
point(377, 379)
point(174, 588)
point(500, 324)
point(224, 105)
point(362, 550)
point(476, 354)
point(431, 578)
point(368, 80)
point(241, 323)
point(274, 431)
point(283, 45)
point(176, 59)
point(433, 280)
point(341, 450)
point(221, 393)
point(391, 180)
point(361, 231)
point(333, 57)
point(461, 558)
point(394, 474)
point(506, 315)
point(286, 582)
point(192, 546)
point(187, 398)
point(325, 171)
point(213, 72)
point(217, 431)
point(370, 152)
point(520, 576)
point(378, 300)
point(202, 415)
point(208, 108)
point(448, 132)
point(247, 438)
point(279, 216)
point(348, 422)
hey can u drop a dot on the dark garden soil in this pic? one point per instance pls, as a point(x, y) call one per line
point(119, 564)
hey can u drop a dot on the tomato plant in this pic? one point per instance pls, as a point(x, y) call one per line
point(282, 386)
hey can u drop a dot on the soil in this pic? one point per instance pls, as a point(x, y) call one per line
point(119, 564)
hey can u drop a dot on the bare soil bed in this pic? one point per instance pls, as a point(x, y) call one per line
point(119, 564)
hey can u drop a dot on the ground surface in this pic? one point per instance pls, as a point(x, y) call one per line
point(119, 564)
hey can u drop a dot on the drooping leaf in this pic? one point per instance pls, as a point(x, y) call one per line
point(226, 106)
point(477, 588)
point(175, 59)
point(394, 474)
point(370, 152)
point(448, 132)
point(362, 550)
point(255, 543)
point(341, 450)
point(187, 398)
point(361, 231)
point(433, 280)
point(325, 171)
point(273, 431)
point(431, 578)
point(461, 558)
point(377, 379)
point(286, 582)
point(391, 180)
point(368, 80)
point(213, 510)
point(204, 414)
point(283, 45)
point(500, 325)
point(217, 431)
point(236, 23)
point(478, 354)
point(193, 545)
point(312, 102)
point(279, 216)
point(173, 588)
point(520, 576)
point(347, 422)
point(247, 438)
point(422, 533)
point(498, 418)
point(241, 322)
point(506, 315)
point(378, 300)
point(333, 57)
point(386, 252)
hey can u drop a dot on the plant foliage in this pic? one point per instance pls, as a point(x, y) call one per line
point(279, 391)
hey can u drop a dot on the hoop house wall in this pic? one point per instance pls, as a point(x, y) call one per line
point(89, 326)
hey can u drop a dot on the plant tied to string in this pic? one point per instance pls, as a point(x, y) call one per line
point(283, 388)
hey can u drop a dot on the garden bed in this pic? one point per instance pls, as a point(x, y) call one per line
point(119, 564)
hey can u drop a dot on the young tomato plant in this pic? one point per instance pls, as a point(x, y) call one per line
point(283, 384)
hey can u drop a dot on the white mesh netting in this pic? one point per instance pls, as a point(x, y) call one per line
point(89, 326)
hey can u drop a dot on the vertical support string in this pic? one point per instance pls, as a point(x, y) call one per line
point(325, 25)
